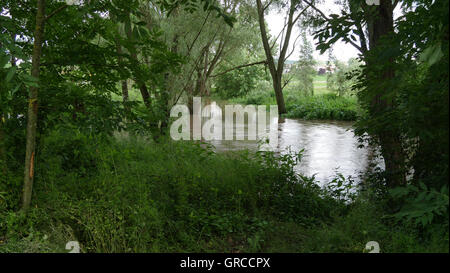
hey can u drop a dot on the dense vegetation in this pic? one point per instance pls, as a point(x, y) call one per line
point(190, 199)
point(327, 106)
point(85, 98)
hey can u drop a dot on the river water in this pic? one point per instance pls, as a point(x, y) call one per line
point(330, 147)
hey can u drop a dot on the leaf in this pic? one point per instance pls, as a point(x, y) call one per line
point(4, 61)
point(136, 33)
point(10, 74)
point(15, 89)
point(29, 80)
point(432, 54)
point(141, 23)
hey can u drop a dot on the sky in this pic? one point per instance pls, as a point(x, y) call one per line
point(342, 51)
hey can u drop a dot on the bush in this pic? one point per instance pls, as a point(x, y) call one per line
point(238, 83)
point(327, 106)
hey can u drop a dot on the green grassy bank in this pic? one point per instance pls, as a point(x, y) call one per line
point(132, 195)
point(321, 107)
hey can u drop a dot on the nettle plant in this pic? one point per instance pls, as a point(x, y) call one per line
point(423, 204)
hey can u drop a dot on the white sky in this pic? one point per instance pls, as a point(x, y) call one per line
point(342, 51)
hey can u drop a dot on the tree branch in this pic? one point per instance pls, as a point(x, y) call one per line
point(238, 67)
point(200, 31)
point(293, 47)
point(316, 9)
point(360, 49)
point(50, 15)
point(268, 4)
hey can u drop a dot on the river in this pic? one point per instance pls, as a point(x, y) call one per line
point(330, 147)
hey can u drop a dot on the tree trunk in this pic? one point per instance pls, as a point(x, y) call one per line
point(390, 142)
point(124, 91)
point(124, 82)
point(33, 107)
point(279, 95)
point(142, 86)
point(2, 148)
point(275, 70)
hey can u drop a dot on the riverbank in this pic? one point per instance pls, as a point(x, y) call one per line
point(132, 195)
point(323, 107)
point(318, 107)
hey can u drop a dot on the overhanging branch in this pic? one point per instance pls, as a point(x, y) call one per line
point(238, 67)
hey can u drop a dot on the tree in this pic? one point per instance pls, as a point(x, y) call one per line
point(276, 67)
point(238, 82)
point(209, 47)
point(33, 106)
point(340, 81)
point(378, 76)
point(60, 65)
point(305, 67)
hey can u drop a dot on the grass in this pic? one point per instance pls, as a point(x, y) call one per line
point(137, 196)
point(320, 85)
point(133, 195)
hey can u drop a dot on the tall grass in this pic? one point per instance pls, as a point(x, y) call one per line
point(133, 195)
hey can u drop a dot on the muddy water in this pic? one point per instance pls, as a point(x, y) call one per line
point(330, 147)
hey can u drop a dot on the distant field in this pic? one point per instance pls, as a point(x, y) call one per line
point(320, 85)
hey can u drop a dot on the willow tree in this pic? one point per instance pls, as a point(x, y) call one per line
point(295, 9)
point(206, 42)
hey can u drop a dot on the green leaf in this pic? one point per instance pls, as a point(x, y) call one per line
point(10, 74)
point(4, 61)
point(432, 54)
point(29, 80)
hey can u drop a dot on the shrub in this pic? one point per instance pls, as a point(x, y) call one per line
point(327, 106)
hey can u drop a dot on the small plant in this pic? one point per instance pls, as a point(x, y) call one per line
point(422, 204)
point(342, 189)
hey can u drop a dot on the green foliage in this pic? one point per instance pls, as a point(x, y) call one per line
point(193, 5)
point(324, 107)
point(350, 232)
point(341, 80)
point(238, 83)
point(68, 149)
point(304, 69)
point(190, 199)
point(422, 204)
point(403, 90)
point(101, 181)
point(187, 198)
